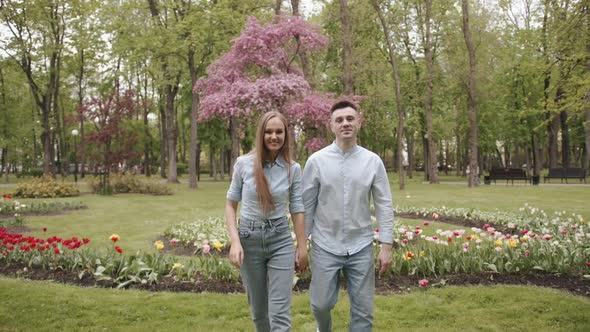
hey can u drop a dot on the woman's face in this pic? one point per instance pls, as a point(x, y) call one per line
point(274, 136)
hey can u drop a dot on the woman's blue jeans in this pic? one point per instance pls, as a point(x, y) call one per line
point(267, 271)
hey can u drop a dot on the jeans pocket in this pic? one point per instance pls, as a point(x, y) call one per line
point(244, 232)
point(282, 226)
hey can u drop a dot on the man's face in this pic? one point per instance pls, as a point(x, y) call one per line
point(345, 123)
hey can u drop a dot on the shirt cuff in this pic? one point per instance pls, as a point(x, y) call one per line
point(296, 208)
point(386, 238)
point(234, 197)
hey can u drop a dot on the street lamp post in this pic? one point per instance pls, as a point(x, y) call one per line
point(75, 134)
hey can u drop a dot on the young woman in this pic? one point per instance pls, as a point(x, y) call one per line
point(266, 180)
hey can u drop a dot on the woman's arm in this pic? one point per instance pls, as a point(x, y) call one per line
point(301, 260)
point(236, 253)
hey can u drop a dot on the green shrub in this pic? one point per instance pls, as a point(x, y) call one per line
point(45, 187)
point(181, 169)
point(119, 183)
point(35, 172)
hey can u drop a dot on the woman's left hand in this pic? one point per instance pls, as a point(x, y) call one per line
point(301, 260)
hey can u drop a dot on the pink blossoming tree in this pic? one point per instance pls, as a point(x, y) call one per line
point(258, 74)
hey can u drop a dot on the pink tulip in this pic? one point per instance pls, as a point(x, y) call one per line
point(423, 283)
point(206, 249)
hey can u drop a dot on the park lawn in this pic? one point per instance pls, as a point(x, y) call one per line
point(46, 306)
point(509, 198)
point(140, 219)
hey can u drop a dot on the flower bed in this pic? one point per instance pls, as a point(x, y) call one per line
point(528, 216)
point(201, 235)
point(113, 265)
point(529, 242)
point(9, 206)
point(12, 211)
point(551, 246)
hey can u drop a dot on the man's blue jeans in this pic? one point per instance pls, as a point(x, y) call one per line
point(359, 273)
point(267, 272)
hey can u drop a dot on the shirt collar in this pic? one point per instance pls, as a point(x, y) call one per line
point(280, 161)
point(337, 149)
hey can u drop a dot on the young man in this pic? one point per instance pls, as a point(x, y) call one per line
point(338, 182)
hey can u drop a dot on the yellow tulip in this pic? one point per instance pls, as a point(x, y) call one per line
point(159, 245)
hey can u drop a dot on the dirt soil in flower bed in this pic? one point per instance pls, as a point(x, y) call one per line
point(457, 221)
point(187, 249)
point(384, 286)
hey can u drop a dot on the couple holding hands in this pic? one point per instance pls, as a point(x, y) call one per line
point(329, 200)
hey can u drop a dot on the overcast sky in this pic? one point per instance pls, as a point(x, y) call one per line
point(308, 7)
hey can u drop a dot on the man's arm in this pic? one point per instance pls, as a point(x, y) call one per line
point(311, 188)
point(381, 193)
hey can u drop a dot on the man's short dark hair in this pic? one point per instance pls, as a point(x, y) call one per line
point(343, 104)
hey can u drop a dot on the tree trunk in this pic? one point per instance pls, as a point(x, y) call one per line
point(193, 146)
point(536, 155)
point(292, 141)
point(411, 159)
point(82, 150)
point(565, 140)
point(163, 135)
point(447, 154)
point(212, 163)
point(277, 8)
point(221, 164)
point(586, 158)
point(426, 164)
point(398, 96)
point(235, 143)
point(147, 162)
point(458, 157)
point(552, 120)
point(346, 48)
point(199, 161)
point(4, 158)
point(302, 54)
point(471, 94)
point(172, 131)
point(433, 171)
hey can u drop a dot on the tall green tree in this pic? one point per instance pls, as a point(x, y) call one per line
point(36, 31)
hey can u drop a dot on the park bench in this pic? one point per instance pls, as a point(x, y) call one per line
point(508, 174)
point(566, 173)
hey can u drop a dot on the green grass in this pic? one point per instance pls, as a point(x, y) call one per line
point(137, 219)
point(573, 199)
point(45, 306)
point(140, 219)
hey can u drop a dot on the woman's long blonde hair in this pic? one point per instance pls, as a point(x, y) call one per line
point(263, 191)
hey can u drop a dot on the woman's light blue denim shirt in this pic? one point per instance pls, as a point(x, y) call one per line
point(284, 185)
